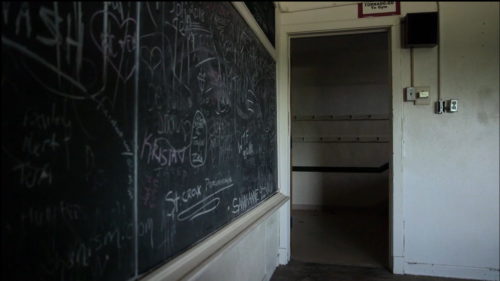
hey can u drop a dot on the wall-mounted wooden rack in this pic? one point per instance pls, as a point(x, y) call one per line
point(343, 139)
point(350, 117)
point(380, 169)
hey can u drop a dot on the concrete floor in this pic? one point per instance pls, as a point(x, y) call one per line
point(300, 271)
point(341, 245)
point(353, 237)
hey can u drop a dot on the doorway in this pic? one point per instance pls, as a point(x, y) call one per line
point(340, 89)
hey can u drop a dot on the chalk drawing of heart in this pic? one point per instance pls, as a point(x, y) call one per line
point(151, 58)
point(115, 48)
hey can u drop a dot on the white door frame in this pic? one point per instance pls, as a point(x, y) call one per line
point(284, 34)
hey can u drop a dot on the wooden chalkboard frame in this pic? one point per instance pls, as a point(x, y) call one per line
point(250, 20)
point(192, 260)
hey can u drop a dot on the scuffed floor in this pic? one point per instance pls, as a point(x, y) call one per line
point(352, 237)
point(301, 271)
point(341, 246)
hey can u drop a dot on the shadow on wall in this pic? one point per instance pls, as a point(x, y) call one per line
point(354, 191)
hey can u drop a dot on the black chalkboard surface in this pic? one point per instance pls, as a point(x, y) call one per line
point(130, 132)
point(263, 12)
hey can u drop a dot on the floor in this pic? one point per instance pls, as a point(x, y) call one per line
point(349, 245)
point(300, 271)
point(347, 237)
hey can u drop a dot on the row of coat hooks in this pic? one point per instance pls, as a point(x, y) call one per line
point(352, 117)
point(344, 139)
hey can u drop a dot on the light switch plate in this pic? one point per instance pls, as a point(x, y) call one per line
point(423, 96)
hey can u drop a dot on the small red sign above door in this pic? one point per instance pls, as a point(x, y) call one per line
point(378, 9)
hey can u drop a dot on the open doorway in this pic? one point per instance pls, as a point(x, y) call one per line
point(340, 89)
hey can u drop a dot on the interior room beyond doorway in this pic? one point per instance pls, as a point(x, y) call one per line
point(341, 147)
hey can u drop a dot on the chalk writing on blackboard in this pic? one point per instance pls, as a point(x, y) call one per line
point(130, 132)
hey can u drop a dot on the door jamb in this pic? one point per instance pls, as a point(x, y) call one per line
point(396, 218)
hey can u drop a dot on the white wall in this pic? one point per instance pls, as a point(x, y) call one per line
point(340, 75)
point(450, 162)
point(253, 258)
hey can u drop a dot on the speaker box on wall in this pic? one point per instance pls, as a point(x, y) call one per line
point(421, 30)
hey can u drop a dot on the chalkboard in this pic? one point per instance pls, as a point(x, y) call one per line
point(130, 132)
point(263, 12)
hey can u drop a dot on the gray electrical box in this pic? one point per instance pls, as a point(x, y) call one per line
point(410, 94)
point(419, 95)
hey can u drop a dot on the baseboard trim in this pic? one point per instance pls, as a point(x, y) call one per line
point(462, 272)
point(188, 263)
point(284, 256)
point(397, 265)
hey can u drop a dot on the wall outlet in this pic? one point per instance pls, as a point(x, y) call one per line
point(452, 106)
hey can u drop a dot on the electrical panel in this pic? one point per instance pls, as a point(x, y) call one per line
point(419, 95)
point(421, 30)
